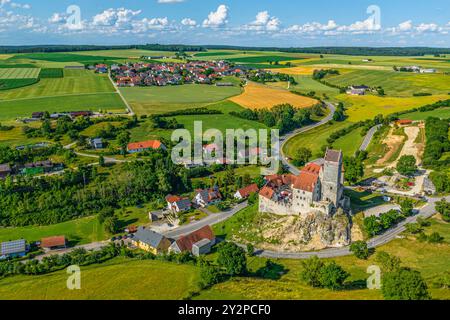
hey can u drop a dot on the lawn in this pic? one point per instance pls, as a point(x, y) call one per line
point(153, 100)
point(257, 96)
point(19, 73)
point(313, 139)
point(349, 143)
point(74, 81)
point(117, 279)
point(13, 109)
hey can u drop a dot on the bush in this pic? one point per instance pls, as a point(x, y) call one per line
point(407, 165)
point(435, 238)
point(232, 258)
point(404, 284)
point(318, 274)
point(360, 250)
point(209, 275)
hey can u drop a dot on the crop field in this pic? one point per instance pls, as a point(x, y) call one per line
point(74, 82)
point(215, 54)
point(19, 73)
point(395, 83)
point(8, 84)
point(295, 70)
point(367, 107)
point(257, 96)
point(306, 84)
point(12, 109)
point(154, 100)
point(122, 53)
point(63, 57)
point(262, 59)
point(51, 73)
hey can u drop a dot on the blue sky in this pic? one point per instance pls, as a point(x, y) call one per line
point(232, 22)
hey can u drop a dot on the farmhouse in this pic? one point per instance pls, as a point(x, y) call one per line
point(13, 249)
point(246, 192)
point(318, 188)
point(5, 170)
point(51, 243)
point(150, 241)
point(206, 197)
point(404, 122)
point(198, 242)
point(178, 204)
point(357, 90)
point(136, 147)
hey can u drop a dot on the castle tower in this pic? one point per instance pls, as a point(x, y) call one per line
point(332, 178)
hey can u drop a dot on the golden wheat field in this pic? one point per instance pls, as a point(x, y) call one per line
point(301, 71)
point(257, 96)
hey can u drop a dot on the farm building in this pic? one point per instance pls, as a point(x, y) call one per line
point(150, 241)
point(199, 241)
point(96, 143)
point(246, 192)
point(51, 243)
point(136, 147)
point(13, 249)
point(357, 90)
point(38, 167)
point(404, 122)
point(5, 170)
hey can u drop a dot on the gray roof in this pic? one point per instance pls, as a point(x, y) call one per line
point(5, 168)
point(11, 247)
point(148, 236)
point(97, 140)
point(202, 243)
point(183, 204)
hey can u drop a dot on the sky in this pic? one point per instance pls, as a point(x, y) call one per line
point(280, 23)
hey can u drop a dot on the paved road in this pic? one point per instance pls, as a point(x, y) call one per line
point(284, 139)
point(369, 137)
point(209, 220)
point(131, 112)
point(426, 212)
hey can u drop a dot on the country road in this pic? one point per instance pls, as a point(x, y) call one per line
point(130, 110)
point(369, 137)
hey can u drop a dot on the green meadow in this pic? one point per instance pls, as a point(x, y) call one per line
point(154, 100)
point(443, 113)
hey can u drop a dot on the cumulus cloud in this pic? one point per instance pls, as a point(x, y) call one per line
point(405, 26)
point(264, 22)
point(189, 22)
point(428, 27)
point(312, 27)
point(217, 18)
point(115, 17)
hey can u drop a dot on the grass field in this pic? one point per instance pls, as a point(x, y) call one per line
point(19, 73)
point(258, 96)
point(117, 279)
point(74, 82)
point(63, 57)
point(395, 83)
point(8, 84)
point(349, 143)
point(51, 73)
point(12, 109)
point(443, 113)
point(154, 100)
point(367, 107)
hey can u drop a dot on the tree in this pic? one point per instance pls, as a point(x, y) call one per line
point(407, 207)
point(435, 237)
point(332, 276)
point(105, 213)
point(311, 271)
point(407, 165)
point(111, 224)
point(209, 275)
point(360, 250)
point(413, 228)
point(443, 207)
point(302, 156)
point(250, 249)
point(388, 262)
point(101, 161)
point(372, 226)
point(123, 138)
point(232, 258)
point(354, 169)
point(404, 284)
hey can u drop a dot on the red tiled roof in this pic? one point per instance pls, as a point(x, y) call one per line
point(185, 242)
point(245, 192)
point(151, 144)
point(404, 121)
point(306, 181)
point(171, 198)
point(50, 242)
point(267, 192)
point(312, 168)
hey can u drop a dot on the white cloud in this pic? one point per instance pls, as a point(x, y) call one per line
point(264, 22)
point(428, 27)
point(217, 18)
point(20, 6)
point(120, 17)
point(58, 18)
point(368, 25)
point(405, 26)
point(312, 27)
point(189, 22)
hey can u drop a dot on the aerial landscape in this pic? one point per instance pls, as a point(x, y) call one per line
point(321, 170)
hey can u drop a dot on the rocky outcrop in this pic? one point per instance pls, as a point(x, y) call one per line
point(292, 233)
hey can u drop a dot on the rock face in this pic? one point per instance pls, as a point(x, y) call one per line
point(292, 233)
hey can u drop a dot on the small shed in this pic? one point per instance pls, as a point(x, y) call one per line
point(51, 243)
point(202, 247)
point(13, 249)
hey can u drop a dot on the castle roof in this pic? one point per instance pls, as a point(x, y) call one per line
point(306, 181)
point(312, 168)
point(267, 192)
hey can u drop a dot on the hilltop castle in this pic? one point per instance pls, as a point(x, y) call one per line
point(318, 188)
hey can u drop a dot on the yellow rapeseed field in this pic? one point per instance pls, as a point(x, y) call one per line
point(258, 96)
